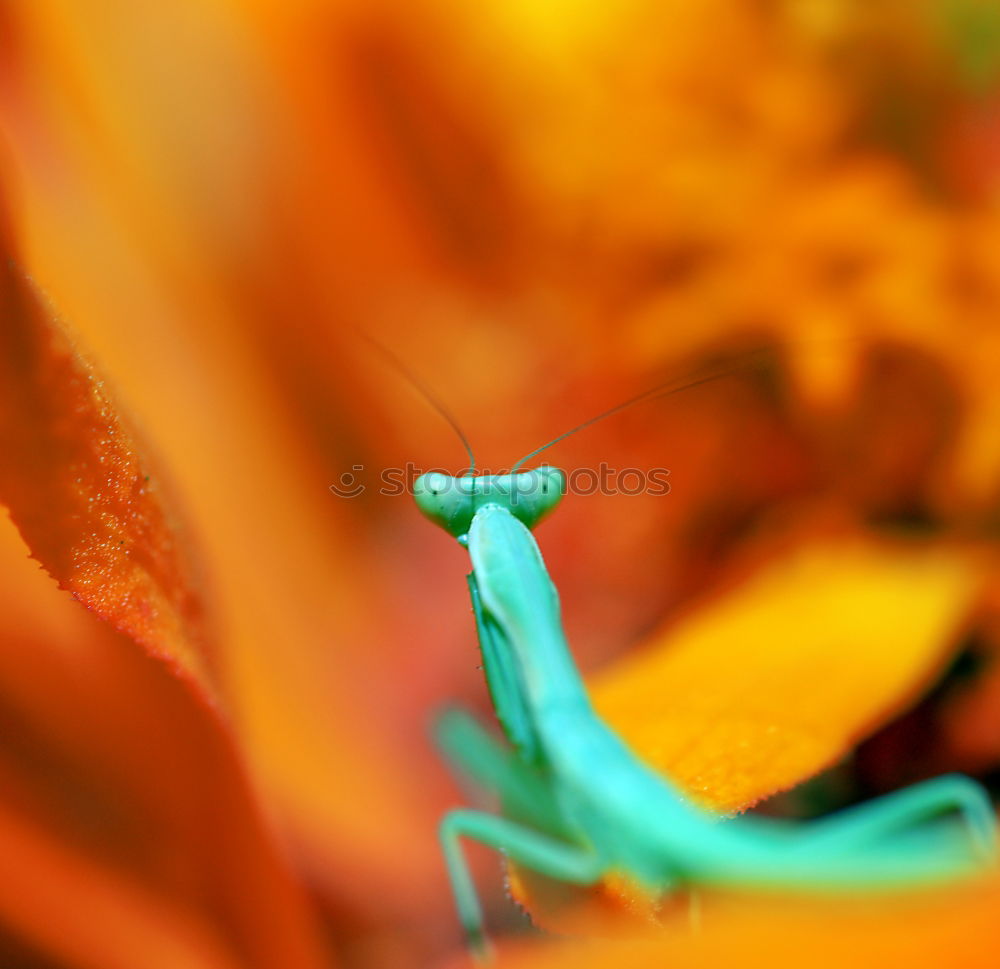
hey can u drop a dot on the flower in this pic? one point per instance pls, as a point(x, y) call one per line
point(540, 209)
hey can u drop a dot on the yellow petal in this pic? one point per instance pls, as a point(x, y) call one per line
point(778, 678)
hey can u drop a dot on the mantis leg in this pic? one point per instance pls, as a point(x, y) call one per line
point(498, 769)
point(503, 680)
point(913, 805)
point(557, 859)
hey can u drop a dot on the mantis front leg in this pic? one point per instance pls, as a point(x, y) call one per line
point(548, 856)
point(495, 767)
point(503, 679)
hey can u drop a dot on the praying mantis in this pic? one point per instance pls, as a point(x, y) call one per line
point(579, 805)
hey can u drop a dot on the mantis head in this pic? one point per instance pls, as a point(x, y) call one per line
point(452, 502)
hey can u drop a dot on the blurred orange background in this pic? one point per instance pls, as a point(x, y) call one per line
point(542, 209)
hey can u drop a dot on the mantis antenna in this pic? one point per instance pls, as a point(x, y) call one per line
point(673, 386)
point(422, 390)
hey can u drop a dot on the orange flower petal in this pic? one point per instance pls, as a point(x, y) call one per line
point(780, 677)
point(127, 820)
point(79, 492)
point(957, 930)
point(105, 921)
point(312, 643)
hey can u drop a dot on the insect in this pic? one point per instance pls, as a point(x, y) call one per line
point(578, 804)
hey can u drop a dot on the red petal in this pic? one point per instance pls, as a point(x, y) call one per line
point(83, 498)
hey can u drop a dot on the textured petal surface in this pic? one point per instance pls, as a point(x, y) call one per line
point(89, 507)
point(781, 675)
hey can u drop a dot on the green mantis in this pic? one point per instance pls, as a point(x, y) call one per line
point(579, 805)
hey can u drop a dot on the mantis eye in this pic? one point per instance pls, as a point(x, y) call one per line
point(549, 487)
point(528, 495)
point(447, 501)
